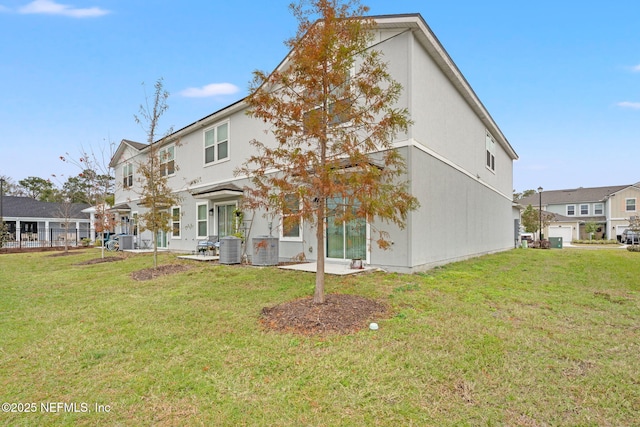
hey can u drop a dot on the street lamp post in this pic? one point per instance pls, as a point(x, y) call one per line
point(1, 197)
point(1, 214)
point(540, 213)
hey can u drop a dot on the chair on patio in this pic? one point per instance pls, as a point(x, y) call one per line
point(210, 245)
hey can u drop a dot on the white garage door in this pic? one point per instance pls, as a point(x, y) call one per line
point(564, 232)
point(620, 229)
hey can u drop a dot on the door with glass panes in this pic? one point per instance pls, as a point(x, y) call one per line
point(346, 239)
point(225, 219)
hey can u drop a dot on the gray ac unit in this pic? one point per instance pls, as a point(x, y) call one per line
point(126, 242)
point(265, 250)
point(230, 250)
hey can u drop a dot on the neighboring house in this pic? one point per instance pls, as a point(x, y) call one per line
point(609, 207)
point(460, 167)
point(34, 223)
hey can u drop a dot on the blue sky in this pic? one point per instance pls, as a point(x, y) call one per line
point(561, 78)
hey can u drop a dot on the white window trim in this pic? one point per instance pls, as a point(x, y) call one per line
point(595, 209)
point(215, 214)
point(126, 174)
point(368, 246)
point(574, 210)
point(490, 148)
point(206, 220)
point(135, 217)
point(588, 209)
point(291, 239)
point(284, 238)
point(215, 144)
point(626, 206)
point(179, 236)
point(163, 161)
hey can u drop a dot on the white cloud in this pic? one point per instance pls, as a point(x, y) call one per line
point(213, 89)
point(632, 105)
point(50, 7)
point(636, 69)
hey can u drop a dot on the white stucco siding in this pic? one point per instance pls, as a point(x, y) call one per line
point(135, 157)
point(192, 172)
point(445, 122)
point(459, 217)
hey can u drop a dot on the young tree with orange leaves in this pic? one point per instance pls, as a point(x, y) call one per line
point(155, 193)
point(331, 108)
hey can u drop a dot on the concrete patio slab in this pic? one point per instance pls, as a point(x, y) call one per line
point(200, 257)
point(329, 268)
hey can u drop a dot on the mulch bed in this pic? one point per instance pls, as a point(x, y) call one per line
point(161, 270)
point(340, 314)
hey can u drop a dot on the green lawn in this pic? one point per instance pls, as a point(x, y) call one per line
point(523, 338)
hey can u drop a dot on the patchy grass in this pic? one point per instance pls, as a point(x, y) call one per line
point(523, 338)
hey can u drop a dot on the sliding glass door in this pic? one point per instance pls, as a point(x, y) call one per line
point(346, 239)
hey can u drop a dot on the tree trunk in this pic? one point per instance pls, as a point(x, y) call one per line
point(155, 248)
point(318, 296)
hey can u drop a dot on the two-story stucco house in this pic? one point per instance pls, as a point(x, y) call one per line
point(609, 207)
point(460, 167)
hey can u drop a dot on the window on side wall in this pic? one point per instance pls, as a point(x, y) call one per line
point(216, 143)
point(135, 226)
point(167, 161)
point(630, 205)
point(491, 152)
point(291, 222)
point(202, 219)
point(175, 222)
point(339, 108)
point(571, 210)
point(127, 175)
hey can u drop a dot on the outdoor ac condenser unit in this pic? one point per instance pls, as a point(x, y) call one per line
point(126, 242)
point(230, 250)
point(265, 250)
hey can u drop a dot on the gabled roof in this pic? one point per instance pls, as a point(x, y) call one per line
point(26, 207)
point(572, 196)
point(430, 42)
point(412, 22)
point(123, 145)
point(562, 218)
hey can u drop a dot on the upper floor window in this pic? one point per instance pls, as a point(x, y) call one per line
point(598, 209)
point(491, 152)
point(339, 107)
point(216, 143)
point(167, 161)
point(127, 175)
point(571, 210)
point(631, 205)
point(584, 209)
